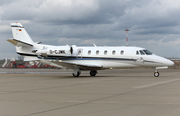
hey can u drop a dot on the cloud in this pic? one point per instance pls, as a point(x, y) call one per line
point(153, 23)
point(154, 14)
point(66, 11)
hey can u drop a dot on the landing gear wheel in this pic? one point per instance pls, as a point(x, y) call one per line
point(93, 73)
point(77, 74)
point(156, 74)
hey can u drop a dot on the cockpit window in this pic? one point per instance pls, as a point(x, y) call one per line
point(147, 52)
point(137, 53)
point(142, 53)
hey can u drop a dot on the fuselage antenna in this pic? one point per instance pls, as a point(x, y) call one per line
point(94, 45)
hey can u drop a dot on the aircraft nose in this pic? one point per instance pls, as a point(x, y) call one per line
point(170, 63)
point(164, 61)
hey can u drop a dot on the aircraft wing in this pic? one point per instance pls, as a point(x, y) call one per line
point(66, 64)
point(29, 58)
point(82, 66)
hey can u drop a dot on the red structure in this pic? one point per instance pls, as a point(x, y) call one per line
point(21, 64)
point(126, 36)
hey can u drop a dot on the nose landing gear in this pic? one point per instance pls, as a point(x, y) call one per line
point(156, 73)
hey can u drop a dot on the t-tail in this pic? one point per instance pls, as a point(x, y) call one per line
point(25, 45)
point(21, 39)
point(20, 35)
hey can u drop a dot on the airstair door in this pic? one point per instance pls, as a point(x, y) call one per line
point(79, 53)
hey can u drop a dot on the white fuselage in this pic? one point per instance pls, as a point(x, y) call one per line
point(107, 57)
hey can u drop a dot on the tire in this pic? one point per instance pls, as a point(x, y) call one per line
point(77, 75)
point(93, 73)
point(156, 74)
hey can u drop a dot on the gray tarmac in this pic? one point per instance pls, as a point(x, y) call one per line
point(124, 92)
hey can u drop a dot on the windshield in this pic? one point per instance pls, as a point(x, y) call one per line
point(141, 52)
point(147, 52)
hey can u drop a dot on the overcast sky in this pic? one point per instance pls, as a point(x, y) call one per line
point(153, 24)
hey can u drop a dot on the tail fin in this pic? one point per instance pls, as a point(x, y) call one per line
point(20, 34)
point(22, 41)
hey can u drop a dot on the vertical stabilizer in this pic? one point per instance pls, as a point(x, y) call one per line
point(19, 33)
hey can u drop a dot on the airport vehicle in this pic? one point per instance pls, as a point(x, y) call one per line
point(80, 58)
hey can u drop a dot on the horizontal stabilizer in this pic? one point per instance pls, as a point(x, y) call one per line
point(18, 42)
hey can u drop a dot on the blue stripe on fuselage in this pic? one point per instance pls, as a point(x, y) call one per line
point(84, 58)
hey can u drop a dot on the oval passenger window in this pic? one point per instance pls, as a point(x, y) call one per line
point(113, 52)
point(89, 52)
point(97, 52)
point(122, 52)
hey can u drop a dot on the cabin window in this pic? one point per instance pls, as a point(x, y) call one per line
point(122, 52)
point(89, 52)
point(105, 52)
point(142, 53)
point(113, 52)
point(97, 52)
point(137, 53)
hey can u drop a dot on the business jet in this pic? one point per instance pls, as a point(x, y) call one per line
point(85, 58)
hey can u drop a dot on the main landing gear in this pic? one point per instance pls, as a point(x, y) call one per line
point(77, 73)
point(93, 73)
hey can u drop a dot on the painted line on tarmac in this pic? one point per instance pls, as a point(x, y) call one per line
point(156, 84)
